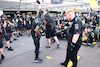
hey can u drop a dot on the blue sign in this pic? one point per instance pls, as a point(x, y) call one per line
point(56, 1)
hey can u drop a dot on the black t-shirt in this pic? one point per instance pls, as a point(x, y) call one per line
point(23, 19)
point(27, 21)
point(50, 20)
point(76, 28)
point(7, 29)
point(86, 20)
point(37, 22)
point(49, 17)
point(97, 18)
point(20, 22)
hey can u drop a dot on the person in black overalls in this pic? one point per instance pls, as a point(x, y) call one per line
point(50, 28)
point(7, 32)
point(28, 24)
point(36, 37)
point(74, 36)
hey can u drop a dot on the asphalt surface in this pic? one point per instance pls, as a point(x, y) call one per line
point(23, 54)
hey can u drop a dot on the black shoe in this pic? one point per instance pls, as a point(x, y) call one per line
point(6, 47)
point(11, 42)
point(38, 60)
point(0, 61)
point(63, 64)
point(2, 57)
point(15, 39)
point(17, 36)
point(48, 47)
point(58, 46)
point(21, 35)
point(29, 35)
point(10, 49)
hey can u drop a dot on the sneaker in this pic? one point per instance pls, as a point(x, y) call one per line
point(63, 65)
point(89, 44)
point(2, 57)
point(58, 46)
point(11, 42)
point(28, 35)
point(48, 47)
point(21, 35)
point(10, 49)
point(17, 36)
point(15, 39)
point(0, 61)
point(38, 60)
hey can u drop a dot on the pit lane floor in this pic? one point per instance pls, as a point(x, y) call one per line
point(23, 54)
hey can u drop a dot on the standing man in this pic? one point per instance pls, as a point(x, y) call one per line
point(36, 37)
point(74, 36)
point(19, 26)
point(7, 32)
point(28, 24)
point(50, 28)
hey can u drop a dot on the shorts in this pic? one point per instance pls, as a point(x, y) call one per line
point(50, 33)
point(1, 43)
point(20, 28)
point(7, 36)
point(28, 27)
point(24, 26)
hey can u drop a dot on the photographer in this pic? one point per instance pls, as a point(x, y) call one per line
point(24, 25)
point(28, 24)
point(19, 26)
point(7, 32)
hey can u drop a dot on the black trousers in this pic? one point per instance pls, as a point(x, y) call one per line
point(72, 55)
point(37, 45)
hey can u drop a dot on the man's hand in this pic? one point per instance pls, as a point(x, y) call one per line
point(37, 30)
point(75, 38)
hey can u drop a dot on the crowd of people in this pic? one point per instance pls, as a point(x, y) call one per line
point(32, 25)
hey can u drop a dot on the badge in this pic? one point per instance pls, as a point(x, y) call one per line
point(76, 26)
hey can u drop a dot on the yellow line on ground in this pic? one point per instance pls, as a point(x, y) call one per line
point(70, 63)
